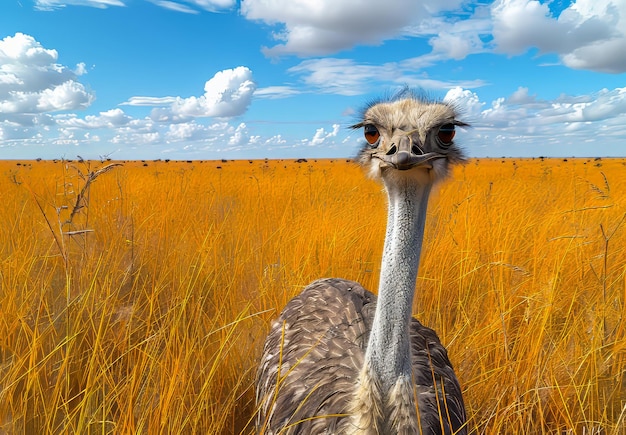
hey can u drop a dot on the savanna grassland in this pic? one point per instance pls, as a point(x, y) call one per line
point(135, 298)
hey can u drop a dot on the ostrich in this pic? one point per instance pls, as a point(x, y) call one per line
point(339, 360)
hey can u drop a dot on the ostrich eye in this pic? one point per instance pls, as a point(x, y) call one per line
point(446, 134)
point(371, 134)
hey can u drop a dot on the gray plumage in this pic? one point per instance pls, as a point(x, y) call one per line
point(334, 361)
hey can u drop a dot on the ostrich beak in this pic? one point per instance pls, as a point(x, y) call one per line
point(405, 155)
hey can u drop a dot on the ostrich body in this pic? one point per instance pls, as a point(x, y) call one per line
point(339, 360)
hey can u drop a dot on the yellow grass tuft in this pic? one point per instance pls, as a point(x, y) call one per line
point(136, 299)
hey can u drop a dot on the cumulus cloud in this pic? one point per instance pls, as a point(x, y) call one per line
point(81, 69)
point(276, 141)
point(31, 80)
point(239, 136)
point(113, 118)
point(467, 101)
point(187, 137)
point(605, 105)
point(589, 34)
point(35, 87)
point(137, 138)
point(521, 96)
point(228, 93)
point(186, 131)
point(558, 125)
point(137, 132)
point(321, 135)
point(327, 26)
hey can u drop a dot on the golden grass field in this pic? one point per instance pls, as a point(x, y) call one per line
point(140, 303)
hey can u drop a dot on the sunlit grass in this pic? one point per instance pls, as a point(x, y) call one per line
point(145, 311)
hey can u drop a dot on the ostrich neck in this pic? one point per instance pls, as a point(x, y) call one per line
point(388, 351)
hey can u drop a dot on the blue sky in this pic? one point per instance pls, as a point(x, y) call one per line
point(209, 79)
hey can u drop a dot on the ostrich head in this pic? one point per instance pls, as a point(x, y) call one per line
point(409, 136)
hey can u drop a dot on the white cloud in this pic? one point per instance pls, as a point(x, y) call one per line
point(11, 131)
point(185, 131)
point(147, 138)
point(31, 80)
point(240, 136)
point(522, 124)
point(173, 6)
point(47, 5)
point(327, 26)
point(322, 135)
point(34, 86)
point(456, 46)
point(215, 137)
point(452, 35)
point(121, 129)
point(606, 56)
point(185, 6)
point(276, 140)
point(137, 132)
point(81, 69)
point(194, 6)
point(149, 101)
point(228, 93)
point(518, 124)
point(521, 96)
point(113, 118)
point(606, 105)
point(22, 49)
point(213, 5)
point(347, 77)
point(276, 92)
point(589, 34)
point(343, 76)
point(66, 96)
point(467, 102)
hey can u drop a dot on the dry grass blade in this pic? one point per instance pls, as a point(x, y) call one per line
point(156, 325)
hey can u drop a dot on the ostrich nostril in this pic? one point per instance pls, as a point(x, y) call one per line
point(416, 150)
point(392, 150)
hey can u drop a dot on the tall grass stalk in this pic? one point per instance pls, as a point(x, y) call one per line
point(138, 303)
